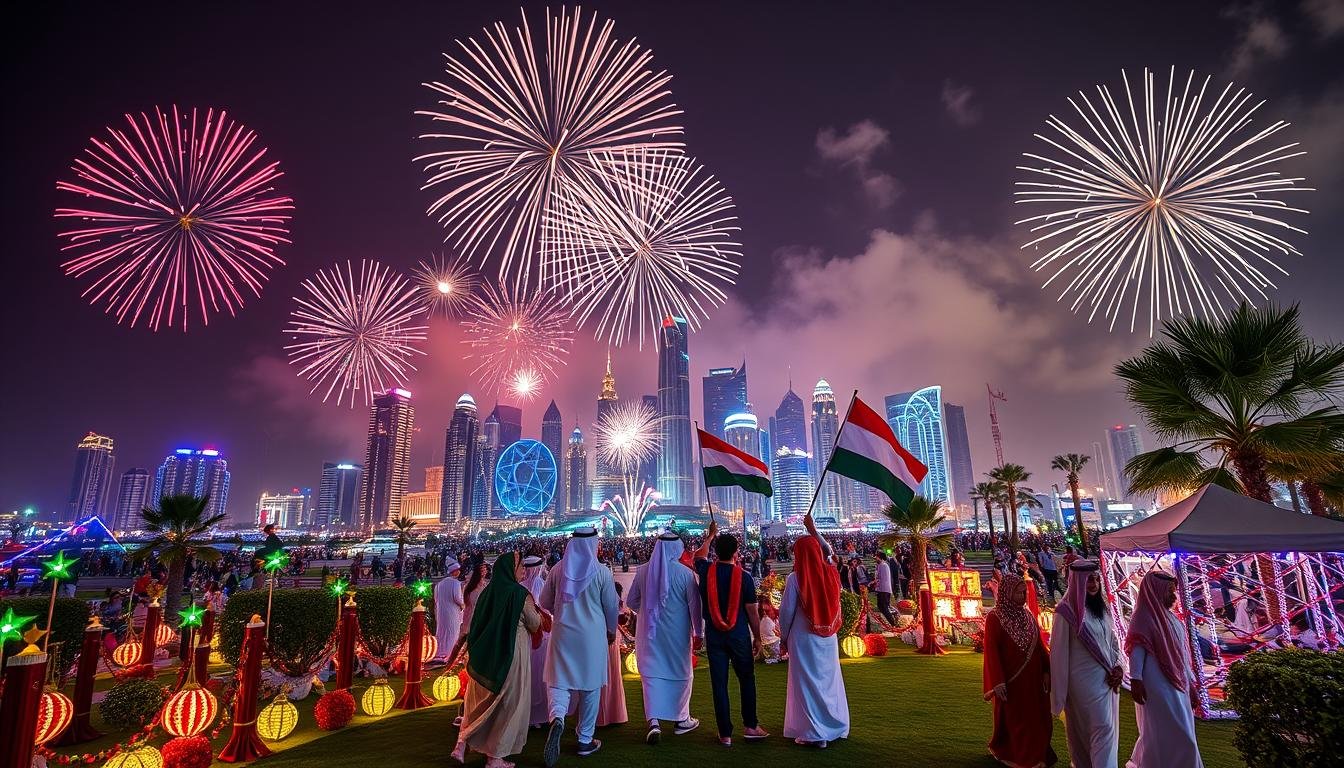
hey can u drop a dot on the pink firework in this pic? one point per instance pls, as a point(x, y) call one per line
point(179, 212)
point(356, 332)
point(517, 339)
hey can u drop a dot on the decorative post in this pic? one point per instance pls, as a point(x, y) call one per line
point(244, 744)
point(25, 673)
point(191, 627)
point(90, 654)
point(348, 634)
point(201, 657)
point(411, 695)
point(149, 639)
point(929, 645)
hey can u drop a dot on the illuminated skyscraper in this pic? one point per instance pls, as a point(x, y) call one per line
point(1125, 445)
point(283, 510)
point(338, 496)
point(91, 487)
point(725, 394)
point(648, 469)
point(789, 428)
point(960, 475)
point(424, 506)
point(576, 482)
point(552, 436)
point(825, 426)
point(387, 460)
point(197, 472)
point(676, 468)
point(132, 498)
point(483, 504)
point(741, 432)
point(917, 419)
point(459, 462)
point(510, 424)
point(607, 480)
point(791, 474)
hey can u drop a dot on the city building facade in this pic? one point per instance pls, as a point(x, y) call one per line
point(387, 458)
point(825, 427)
point(725, 394)
point(960, 473)
point(132, 498)
point(459, 462)
point(576, 480)
point(917, 419)
point(338, 495)
point(552, 436)
point(194, 471)
point(791, 472)
point(676, 465)
point(90, 489)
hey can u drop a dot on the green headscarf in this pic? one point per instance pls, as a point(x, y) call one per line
point(494, 625)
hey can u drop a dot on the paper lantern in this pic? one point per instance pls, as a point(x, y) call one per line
point(852, 647)
point(278, 719)
point(127, 654)
point(631, 663)
point(55, 710)
point(446, 687)
point(334, 710)
point(136, 757)
point(164, 635)
point(1046, 621)
point(378, 699)
point(189, 711)
point(429, 647)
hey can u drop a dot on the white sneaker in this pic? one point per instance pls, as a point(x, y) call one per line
point(686, 726)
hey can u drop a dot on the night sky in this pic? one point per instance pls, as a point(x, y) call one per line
point(870, 149)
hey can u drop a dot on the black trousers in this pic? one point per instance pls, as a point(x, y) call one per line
point(884, 606)
point(1052, 584)
point(722, 651)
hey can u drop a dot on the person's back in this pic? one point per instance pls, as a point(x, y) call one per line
point(732, 633)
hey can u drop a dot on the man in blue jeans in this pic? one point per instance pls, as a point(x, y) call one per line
point(732, 631)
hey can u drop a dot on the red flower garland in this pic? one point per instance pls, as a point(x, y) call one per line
point(334, 710)
point(188, 752)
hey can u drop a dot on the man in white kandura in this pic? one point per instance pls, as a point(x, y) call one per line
point(534, 579)
point(1085, 671)
point(581, 598)
point(448, 605)
point(1160, 679)
point(669, 627)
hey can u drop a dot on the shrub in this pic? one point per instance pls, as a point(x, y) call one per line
point(334, 710)
point(68, 623)
point(384, 614)
point(1291, 704)
point(850, 609)
point(302, 621)
point(131, 703)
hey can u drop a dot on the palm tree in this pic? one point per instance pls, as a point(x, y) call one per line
point(403, 525)
point(988, 493)
point(1071, 464)
point(917, 525)
point(1013, 477)
point(178, 529)
point(1248, 390)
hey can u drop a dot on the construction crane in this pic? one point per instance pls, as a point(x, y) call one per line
point(994, 422)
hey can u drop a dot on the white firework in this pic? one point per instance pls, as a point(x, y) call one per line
point(632, 507)
point(508, 334)
point(1166, 207)
point(627, 435)
point(647, 236)
point(446, 285)
point(520, 117)
point(526, 383)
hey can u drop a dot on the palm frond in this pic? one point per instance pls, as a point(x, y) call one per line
point(1164, 469)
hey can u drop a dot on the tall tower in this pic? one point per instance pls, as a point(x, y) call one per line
point(607, 480)
point(741, 431)
point(510, 424)
point(89, 490)
point(459, 462)
point(648, 469)
point(725, 394)
point(488, 447)
point(825, 427)
point(676, 468)
point(387, 459)
point(1125, 445)
point(132, 498)
point(917, 419)
point(790, 423)
point(576, 475)
point(960, 474)
point(338, 495)
point(793, 483)
point(552, 436)
point(199, 472)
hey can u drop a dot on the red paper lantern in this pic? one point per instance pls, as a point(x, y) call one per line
point(189, 711)
point(188, 752)
point(164, 635)
point(876, 644)
point(429, 648)
point(127, 654)
point(334, 710)
point(55, 710)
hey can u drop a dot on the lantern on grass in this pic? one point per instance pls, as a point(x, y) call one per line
point(631, 663)
point(278, 719)
point(136, 757)
point(1046, 621)
point(55, 710)
point(852, 647)
point(378, 699)
point(446, 687)
point(429, 647)
point(189, 711)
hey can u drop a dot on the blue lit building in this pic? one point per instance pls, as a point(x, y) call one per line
point(525, 478)
point(725, 394)
point(197, 472)
point(676, 466)
point(917, 419)
point(791, 475)
point(338, 495)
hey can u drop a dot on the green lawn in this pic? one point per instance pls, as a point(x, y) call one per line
point(905, 710)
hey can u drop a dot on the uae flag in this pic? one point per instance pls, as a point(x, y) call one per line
point(726, 465)
point(869, 452)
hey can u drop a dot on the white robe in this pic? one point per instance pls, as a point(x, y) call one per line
point(1166, 722)
point(540, 710)
point(665, 659)
point(815, 707)
point(1078, 689)
point(448, 605)
point(577, 660)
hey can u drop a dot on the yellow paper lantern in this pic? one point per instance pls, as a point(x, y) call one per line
point(631, 663)
point(1046, 621)
point(55, 710)
point(189, 711)
point(378, 699)
point(429, 648)
point(278, 719)
point(127, 654)
point(853, 647)
point(136, 757)
point(164, 635)
point(446, 687)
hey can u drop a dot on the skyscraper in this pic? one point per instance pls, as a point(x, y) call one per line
point(766, 453)
point(510, 424)
point(576, 476)
point(676, 468)
point(283, 510)
point(607, 480)
point(725, 391)
point(917, 419)
point(741, 431)
point(424, 506)
point(459, 462)
point(387, 460)
point(489, 447)
point(825, 426)
point(960, 475)
point(132, 498)
point(338, 495)
point(648, 469)
point(552, 436)
point(792, 480)
point(789, 429)
point(1103, 472)
point(1125, 445)
point(90, 488)
point(198, 472)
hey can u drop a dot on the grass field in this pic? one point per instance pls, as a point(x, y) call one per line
point(905, 710)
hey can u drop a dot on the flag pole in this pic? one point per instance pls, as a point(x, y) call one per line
point(700, 451)
point(827, 468)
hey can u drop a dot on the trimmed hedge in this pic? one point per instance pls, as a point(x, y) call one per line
point(69, 621)
point(1291, 704)
point(302, 621)
point(851, 607)
point(384, 614)
point(131, 703)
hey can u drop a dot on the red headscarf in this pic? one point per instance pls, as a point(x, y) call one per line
point(1150, 628)
point(818, 587)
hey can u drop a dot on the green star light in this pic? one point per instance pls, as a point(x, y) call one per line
point(276, 560)
point(58, 567)
point(11, 624)
point(339, 586)
point(422, 588)
point(191, 617)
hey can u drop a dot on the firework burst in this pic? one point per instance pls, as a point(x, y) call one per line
point(627, 435)
point(356, 332)
point(647, 236)
point(521, 116)
point(446, 286)
point(631, 508)
point(510, 335)
point(525, 384)
point(178, 216)
point(1162, 208)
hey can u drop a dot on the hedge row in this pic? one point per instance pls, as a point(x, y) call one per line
point(1291, 705)
point(68, 623)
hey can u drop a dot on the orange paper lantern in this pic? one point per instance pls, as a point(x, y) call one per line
point(429, 647)
point(54, 712)
point(164, 635)
point(127, 654)
point(189, 711)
